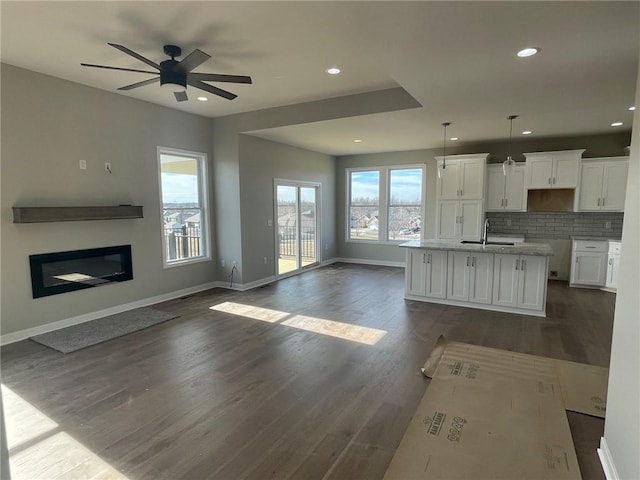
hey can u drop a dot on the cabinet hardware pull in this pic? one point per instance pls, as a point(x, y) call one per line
point(473, 261)
point(424, 257)
point(517, 264)
point(554, 180)
point(428, 258)
point(549, 180)
point(587, 246)
point(603, 201)
point(598, 202)
point(523, 265)
point(506, 202)
point(502, 202)
point(467, 260)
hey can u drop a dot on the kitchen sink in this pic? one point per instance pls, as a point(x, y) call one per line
point(479, 242)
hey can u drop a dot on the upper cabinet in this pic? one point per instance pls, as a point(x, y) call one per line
point(460, 197)
point(603, 184)
point(462, 178)
point(506, 193)
point(553, 169)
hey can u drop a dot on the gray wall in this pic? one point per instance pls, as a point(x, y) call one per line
point(48, 125)
point(622, 422)
point(260, 162)
point(597, 146)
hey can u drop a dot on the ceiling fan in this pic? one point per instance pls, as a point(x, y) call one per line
point(178, 74)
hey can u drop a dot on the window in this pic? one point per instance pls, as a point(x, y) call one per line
point(183, 193)
point(399, 216)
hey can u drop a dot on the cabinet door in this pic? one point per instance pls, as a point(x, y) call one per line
point(448, 219)
point(472, 179)
point(590, 187)
point(614, 186)
point(515, 193)
point(589, 268)
point(539, 172)
point(532, 282)
point(565, 172)
point(415, 271)
point(459, 264)
point(505, 280)
point(495, 188)
point(481, 278)
point(449, 181)
point(613, 265)
point(470, 219)
point(436, 281)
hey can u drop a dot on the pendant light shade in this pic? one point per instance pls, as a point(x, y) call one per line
point(509, 164)
point(443, 165)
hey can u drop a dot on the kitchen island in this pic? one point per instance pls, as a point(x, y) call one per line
point(504, 278)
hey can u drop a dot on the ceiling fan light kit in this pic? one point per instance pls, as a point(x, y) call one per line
point(175, 75)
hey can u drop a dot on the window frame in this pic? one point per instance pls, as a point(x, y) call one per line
point(384, 201)
point(203, 202)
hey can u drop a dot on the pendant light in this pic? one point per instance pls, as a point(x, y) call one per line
point(509, 164)
point(443, 165)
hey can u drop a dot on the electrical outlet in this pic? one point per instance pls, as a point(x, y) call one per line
point(224, 264)
point(265, 260)
point(83, 164)
point(553, 274)
point(508, 222)
point(607, 225)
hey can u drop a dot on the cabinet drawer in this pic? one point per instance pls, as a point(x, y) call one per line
point(615, 247)
point(591, 246)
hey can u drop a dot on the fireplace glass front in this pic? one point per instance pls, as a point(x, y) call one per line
point(60, 272)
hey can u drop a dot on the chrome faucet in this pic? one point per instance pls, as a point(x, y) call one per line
point(484, 233)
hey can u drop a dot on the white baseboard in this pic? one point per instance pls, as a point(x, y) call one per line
point(68, 322)
point(607, 462)
point(366, 261)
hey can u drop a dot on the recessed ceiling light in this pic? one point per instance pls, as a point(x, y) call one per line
point(527, 132)
point(333, 71)
point(616, 124)
point(632, 108)
point(357, 140)
point(203, 99)
point(528, 52)
point(453, 139)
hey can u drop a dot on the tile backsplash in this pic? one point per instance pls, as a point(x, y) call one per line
point(556, 225)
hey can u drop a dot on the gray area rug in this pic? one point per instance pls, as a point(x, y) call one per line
point(76, 337)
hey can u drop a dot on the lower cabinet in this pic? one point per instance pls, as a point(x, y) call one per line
point(470, 277)
point(490, 281)
point(520, 281)
point(426, 273)
point(589, 263)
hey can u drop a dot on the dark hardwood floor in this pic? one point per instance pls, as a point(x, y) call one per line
point(218, 395)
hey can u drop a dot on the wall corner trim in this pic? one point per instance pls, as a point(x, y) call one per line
point(606, 460)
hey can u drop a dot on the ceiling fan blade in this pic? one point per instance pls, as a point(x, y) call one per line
point(194, 59)
point(216, 77)
point(211, 89)
point(124, 49)
point(140, 84)
point(117, 68)
point(181, 96)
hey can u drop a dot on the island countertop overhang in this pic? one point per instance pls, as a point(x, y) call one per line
point(536, 249)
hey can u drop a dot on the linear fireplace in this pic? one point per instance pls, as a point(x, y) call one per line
point(60, 272)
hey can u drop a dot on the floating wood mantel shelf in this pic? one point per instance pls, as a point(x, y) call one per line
point(72, 214)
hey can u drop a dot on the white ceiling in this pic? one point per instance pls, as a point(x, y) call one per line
point(457, 59)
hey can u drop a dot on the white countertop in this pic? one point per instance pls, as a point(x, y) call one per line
point(541, 249)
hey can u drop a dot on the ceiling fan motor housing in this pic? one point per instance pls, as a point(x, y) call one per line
point(172, 74)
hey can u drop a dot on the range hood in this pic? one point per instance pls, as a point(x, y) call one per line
point(550, 200)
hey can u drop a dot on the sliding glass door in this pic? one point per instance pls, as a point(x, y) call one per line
point(297, 226)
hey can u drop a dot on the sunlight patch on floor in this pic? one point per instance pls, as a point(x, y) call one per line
point(332, 328)
point(39, 448)
point(257, 313)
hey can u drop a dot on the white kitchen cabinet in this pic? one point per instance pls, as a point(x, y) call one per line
point(459, 219)
point(460, 197)
point(553, 169)
point(613, 265)
point(520, 281)
point(470, 277)
point(589, 262)
point(603, 184)
point(506, 193)
point(426, 273)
